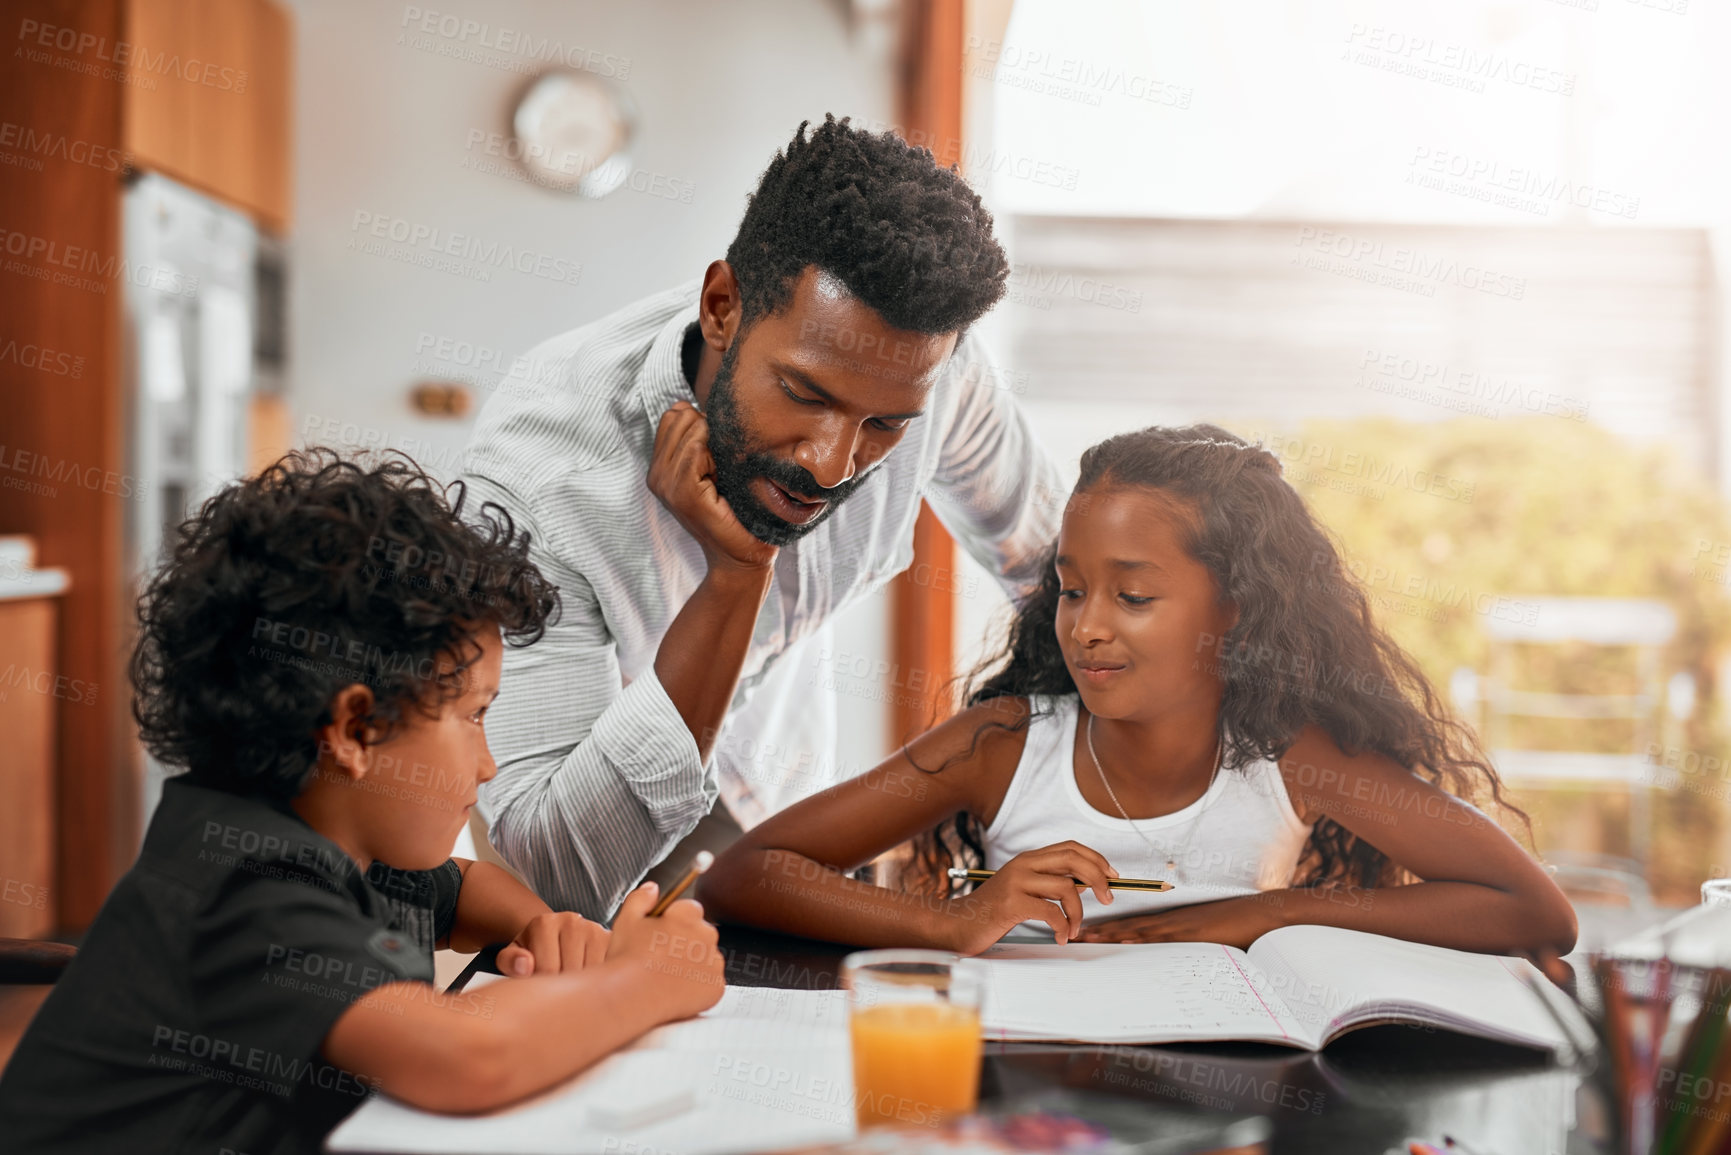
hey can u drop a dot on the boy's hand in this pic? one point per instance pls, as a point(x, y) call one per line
point(677, 951)
point(1034, 885)
point(554, 942)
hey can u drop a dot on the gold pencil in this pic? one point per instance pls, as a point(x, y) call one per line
point(698, 865)
point(957, 874)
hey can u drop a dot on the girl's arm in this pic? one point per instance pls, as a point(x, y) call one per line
point(494, 907)
point(789, 874)
point(476, 1051)
point(1479, 891)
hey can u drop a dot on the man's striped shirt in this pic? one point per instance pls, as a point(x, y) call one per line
point(598, 775)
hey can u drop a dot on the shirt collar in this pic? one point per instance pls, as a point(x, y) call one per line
point(661, 381)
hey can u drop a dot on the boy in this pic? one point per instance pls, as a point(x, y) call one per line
point(319, 655)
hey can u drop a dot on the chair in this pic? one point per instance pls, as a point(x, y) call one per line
point(1643, 625)
point(24, 960)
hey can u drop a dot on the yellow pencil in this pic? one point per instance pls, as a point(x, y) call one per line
point(957, 874)
point(698, 865)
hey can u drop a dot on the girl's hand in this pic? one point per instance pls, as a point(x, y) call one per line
point(1037, 884)
point(1231, 921)
point(554, 942)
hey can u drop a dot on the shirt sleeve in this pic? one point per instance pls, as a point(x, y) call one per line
point(276, 959)
point(423, 903)
point(596, 782)
point(996, 488)
point(447, 883)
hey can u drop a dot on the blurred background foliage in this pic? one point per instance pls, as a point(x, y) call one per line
point(1437, 519)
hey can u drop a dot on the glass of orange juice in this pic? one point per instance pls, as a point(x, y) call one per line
point(914, 1018)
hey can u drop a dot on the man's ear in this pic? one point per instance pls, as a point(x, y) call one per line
point(346, 741)
point(719, 306)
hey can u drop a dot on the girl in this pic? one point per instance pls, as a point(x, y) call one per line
point(1196, 692)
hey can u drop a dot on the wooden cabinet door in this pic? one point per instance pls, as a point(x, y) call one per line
point(209, 98)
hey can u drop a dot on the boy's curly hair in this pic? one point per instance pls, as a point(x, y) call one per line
point(317, 574)
point(908, 238)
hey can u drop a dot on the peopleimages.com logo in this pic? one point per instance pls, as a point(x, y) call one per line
point(131, 62)
point(1372, 256)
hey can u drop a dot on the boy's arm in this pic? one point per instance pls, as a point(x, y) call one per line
point(477, 1051)
point(493, 907)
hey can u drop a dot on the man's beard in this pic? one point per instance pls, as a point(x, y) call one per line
point(737, 465)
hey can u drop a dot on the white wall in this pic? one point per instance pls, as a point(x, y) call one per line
point(384, 117)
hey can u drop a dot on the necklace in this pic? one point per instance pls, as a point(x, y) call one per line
point(1171, 859)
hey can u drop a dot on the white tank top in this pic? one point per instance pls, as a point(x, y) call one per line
point(1241, 837)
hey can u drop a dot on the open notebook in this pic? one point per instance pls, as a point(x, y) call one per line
point(1301, 986)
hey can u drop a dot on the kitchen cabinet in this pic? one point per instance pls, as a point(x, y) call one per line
point(93, 92)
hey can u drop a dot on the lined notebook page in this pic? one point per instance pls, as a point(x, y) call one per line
point(1144, 993)
point(1331, 978)
point(759, 1016)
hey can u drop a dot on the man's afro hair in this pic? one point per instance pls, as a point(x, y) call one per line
point(908, 238)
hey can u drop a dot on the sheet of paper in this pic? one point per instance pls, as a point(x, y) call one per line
point(769, 1068)
point(1109, 993)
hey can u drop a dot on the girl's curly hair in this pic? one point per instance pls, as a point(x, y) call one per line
point(1306, 649)
point(314, 575)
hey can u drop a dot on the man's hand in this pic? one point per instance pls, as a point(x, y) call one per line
point(677, 951)
point(1037, 885)
point(554, 942)
point(682, 477)
point(1230, 921)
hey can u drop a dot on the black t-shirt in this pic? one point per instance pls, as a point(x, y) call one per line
point(192, 1019)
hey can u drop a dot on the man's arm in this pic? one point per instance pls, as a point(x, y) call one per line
point(996, 488)
point(597, 783)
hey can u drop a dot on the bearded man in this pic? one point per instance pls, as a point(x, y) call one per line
point(710, 475)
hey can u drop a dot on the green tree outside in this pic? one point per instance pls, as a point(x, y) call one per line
point(1438, 519)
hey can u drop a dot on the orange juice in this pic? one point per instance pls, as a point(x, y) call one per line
point(915, 1064)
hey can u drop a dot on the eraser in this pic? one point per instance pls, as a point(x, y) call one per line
point(628, 1109)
